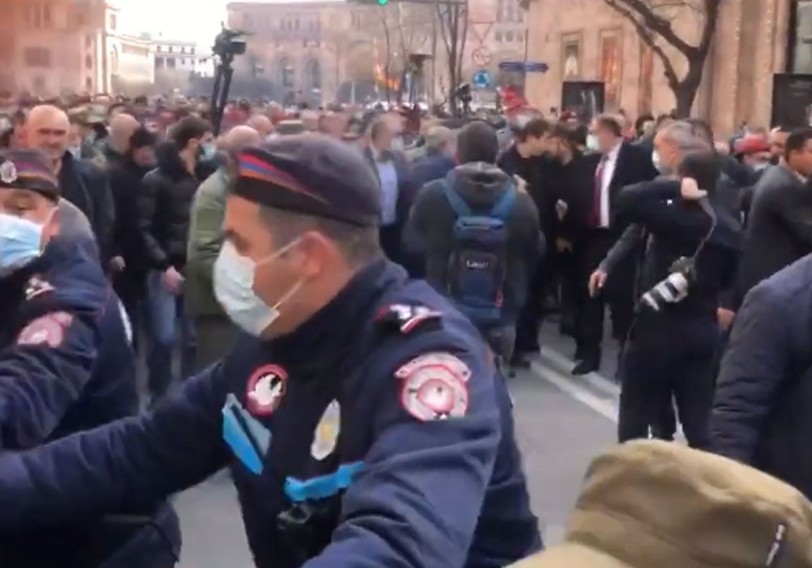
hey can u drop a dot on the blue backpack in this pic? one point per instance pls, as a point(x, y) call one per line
point(478, 264)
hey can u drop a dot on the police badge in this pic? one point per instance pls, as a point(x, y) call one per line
point(8, 172)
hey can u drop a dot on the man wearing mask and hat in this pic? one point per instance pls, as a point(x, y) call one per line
point(363, 418)
point(66, 362)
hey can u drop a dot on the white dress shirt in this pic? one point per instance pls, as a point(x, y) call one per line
point(609, 164)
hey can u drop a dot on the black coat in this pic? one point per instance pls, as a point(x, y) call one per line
point(779, 229)
point(86, 186)
point(164, 206)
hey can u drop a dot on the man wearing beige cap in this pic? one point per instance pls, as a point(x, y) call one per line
point(662, 505)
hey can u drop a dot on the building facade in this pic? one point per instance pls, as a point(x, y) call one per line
point(176, 61)
point(51, 47)
point(304, 50)
point(322, 51)
point(587, 40)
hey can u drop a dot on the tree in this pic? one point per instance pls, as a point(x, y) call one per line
point(413, 36)
point(652, 19)
point(452, 21)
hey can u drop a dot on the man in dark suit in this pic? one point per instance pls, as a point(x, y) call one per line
point(384, 153)
point(779, 231)
point(617, 165)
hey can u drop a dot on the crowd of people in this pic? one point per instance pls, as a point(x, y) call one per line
point(332, 303)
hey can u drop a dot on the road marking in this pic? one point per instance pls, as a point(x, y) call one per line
point(595, 380)
point(570, 386)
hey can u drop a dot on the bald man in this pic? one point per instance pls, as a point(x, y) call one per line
point(214, 331)
point(80, 182)
point(262, 124)
point(122, 127)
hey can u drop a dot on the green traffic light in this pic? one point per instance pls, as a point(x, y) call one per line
point(383, 2)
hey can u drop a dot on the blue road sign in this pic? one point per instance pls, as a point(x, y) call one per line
point(482, 79)
point(524, 66)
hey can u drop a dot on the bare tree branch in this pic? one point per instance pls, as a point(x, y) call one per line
point(649, 39)
point(653, 22)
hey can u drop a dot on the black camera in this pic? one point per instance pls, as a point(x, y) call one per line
point(229, 43)
point(672, 289)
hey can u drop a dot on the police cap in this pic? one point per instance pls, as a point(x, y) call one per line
point(28, 169)
point(311, 174)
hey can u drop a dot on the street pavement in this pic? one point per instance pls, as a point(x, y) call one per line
point(562, 423)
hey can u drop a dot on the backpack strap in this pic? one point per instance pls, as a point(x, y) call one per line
point(456, 201)
point(504, 206)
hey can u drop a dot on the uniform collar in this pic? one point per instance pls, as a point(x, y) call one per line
point(333, 328)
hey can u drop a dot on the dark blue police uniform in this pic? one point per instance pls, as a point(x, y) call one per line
point(66, 365)
point(379, 433)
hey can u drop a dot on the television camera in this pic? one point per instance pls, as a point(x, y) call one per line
point(227, 45)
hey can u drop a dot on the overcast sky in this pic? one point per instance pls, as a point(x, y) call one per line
point(191, 20)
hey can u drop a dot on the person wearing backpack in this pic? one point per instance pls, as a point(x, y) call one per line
point(479, 236)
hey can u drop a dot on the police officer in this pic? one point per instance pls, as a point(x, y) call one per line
point(362, 416)
point(66, 363)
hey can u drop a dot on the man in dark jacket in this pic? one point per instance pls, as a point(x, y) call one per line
point(81, 183)
point(689, 260)
point(129, 264)
point(779, 230)
point(439, 157)
point(363, 420)
point(164, 207)
point(764, 390)
point(65, 362)
point(482, 185)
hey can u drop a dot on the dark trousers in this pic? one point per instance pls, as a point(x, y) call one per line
point(131, 290)
point(618, 293)
point(532, 313)
point(668, 358)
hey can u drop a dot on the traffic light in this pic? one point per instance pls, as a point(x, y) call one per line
point(383, 2)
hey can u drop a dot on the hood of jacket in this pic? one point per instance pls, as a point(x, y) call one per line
point(479, 183)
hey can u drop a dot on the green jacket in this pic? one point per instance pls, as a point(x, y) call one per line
point(205, 239)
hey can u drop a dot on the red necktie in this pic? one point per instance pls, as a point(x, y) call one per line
point(595, 216)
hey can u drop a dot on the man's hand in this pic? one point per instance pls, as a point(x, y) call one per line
point(596, 282)
point(690, 191)
point(172, 279)
point(722, 148)
point(561, 209)
point(725, 318)
point(521, 183)
point(117, 264)
point(562, 245)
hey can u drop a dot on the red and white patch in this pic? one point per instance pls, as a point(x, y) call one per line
point(434, 387)
point(36, 286)
point(266, 387)
point(46, 330)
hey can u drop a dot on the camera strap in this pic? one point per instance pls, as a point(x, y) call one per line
point(707, 208)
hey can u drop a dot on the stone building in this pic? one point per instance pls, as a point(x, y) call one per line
point(321, 51)
point(587, 40)
point(300, 49)
point(49, 47)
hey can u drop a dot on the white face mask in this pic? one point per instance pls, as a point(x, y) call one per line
point(592, 142)
point(234, 288)
point(397, 144)
point(657, 161)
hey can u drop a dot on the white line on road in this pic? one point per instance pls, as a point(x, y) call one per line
point(605, 408)
point(595, 380)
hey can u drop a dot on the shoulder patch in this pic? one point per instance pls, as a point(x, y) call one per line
point(406, 318)
point(434, 387)
point(46, 330)
point(266, 387)
point(36, 286)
